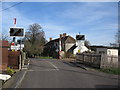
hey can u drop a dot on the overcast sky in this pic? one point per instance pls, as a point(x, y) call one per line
point(98, 21)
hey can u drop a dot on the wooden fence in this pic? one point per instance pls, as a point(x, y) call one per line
point(98, 60)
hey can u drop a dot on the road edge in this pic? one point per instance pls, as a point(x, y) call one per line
point(15, 80)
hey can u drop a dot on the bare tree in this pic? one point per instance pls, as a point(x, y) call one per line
point(87, 43)
point(117, 37)
point(4, 36)
point(34, 40)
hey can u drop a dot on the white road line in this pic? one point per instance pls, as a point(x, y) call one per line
point(19, 82)
point(41, 70)
point(53, 65)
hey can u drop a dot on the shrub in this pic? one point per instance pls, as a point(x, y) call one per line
point(10, 71)
point(69, 55)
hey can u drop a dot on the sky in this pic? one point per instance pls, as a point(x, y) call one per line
point(98, 21)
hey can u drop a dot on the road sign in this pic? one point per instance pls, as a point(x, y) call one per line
point(80, 37)
point(16, 31)
point(18, 47)
point(79, 51)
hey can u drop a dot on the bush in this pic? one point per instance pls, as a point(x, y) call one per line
point(10, 71)
point(69, 55)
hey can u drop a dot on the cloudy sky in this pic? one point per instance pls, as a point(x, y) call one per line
point(98, 21)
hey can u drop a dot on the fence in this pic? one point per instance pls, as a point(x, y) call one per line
point(109, 61)
point(98, 60)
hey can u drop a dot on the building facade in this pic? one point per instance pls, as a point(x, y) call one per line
point(51, 49)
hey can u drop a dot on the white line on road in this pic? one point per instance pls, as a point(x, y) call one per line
point(41, 70)
point(53, 65)
point(18, 83)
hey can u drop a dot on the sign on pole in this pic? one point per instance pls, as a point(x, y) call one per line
point(17, 32)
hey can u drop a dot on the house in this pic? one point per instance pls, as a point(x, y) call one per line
point(105, 50)
point(68, 44)
point(52, 47)
point(78, 47)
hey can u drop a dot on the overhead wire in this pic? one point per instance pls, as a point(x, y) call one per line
point(11, 6)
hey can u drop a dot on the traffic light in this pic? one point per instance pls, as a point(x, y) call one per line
point(80, 37)
point(15, 31)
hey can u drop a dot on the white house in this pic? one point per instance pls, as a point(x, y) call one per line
point(105, 50)
point(78, 47)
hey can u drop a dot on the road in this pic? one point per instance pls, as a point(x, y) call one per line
point(43, 73)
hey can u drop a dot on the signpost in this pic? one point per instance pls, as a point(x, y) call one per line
point(16, 32)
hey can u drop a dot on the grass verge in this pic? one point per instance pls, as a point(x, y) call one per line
point(45, 57)
point(115, 71)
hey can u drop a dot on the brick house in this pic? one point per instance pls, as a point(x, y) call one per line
point(51, 49)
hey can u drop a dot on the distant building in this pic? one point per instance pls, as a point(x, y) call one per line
point(52, 47)
point(68, 44)
point(79, 46)
point(105, 50)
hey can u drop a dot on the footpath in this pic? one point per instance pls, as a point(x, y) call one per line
point(17, 78)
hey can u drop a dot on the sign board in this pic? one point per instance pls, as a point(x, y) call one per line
point(78, 50)
point(17, 47)
point(17, 31)
point(80, 37)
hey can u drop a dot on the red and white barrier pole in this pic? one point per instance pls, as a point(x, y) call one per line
point(60, 48)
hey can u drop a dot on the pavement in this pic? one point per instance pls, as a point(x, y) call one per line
point(48, 73)
point(17, 78)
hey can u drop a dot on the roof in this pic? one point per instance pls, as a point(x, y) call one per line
point(108, 47)
point(72, 48)
point(62, 39)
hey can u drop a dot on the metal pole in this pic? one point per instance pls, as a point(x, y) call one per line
point(14, 26)
point(20, 43)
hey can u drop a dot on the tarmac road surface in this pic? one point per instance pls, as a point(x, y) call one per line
point(48, 73)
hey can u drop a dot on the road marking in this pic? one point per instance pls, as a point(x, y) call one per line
point(41, 70)
point(19, 82)
point(53, 65)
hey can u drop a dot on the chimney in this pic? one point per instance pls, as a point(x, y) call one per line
point(50, 39)
point(60, 35)
point(64, 34)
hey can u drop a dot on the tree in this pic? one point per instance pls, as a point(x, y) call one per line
point(87, 43)
point(34, 40)
point(4, 36)
point(117, 40)
point(117, 37)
